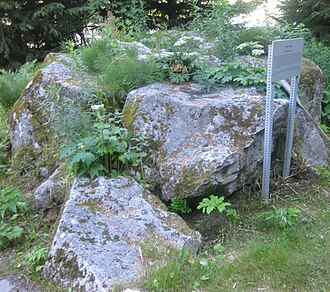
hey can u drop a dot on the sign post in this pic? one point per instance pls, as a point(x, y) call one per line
point(284, 61)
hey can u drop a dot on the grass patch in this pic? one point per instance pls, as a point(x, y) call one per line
point(259, 253)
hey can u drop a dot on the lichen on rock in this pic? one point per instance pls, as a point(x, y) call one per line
point(205, 143)
point(102, 226)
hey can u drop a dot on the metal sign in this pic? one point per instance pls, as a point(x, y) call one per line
point(287, 56)
point(284, 61)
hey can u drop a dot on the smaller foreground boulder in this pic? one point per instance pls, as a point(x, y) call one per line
point(104, 223)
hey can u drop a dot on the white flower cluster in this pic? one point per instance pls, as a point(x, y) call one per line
point(257, 52)
point(97, 107)
point(183, 40)
point(256, 48)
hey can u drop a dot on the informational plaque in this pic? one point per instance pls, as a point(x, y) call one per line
point(284, 61)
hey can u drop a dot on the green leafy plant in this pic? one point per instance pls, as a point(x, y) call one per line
point(12, 203)
point(215, 24)
point(324, 175)
point(177, 67)
point(284, 218)
point(12, 206)
point(9, 234)
point(109, 149)
point(12, 83)
point(180, 206)
point(207, 205)
point(36, 258)
point(232, 72)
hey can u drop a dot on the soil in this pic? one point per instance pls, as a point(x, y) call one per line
point(14, 282)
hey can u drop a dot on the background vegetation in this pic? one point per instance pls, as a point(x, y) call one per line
point(280, 245)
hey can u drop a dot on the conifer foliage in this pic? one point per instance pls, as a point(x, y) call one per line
point(31, 29)
point(314, 14)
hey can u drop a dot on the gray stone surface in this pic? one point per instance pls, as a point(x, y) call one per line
point(309, 142)
point(26, 118)
point(104, 222)
point(311, 86)
point(212, 143)
point(51, 190)
point(204, 143)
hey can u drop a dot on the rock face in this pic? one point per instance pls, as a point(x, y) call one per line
point(26, 119)
point(311, 145)
point(311, 84)
point(97, 243)
point(212, 143)
point(205, 143)
point(30, 130)
point(51, 190)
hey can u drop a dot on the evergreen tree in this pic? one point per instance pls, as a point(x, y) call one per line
point(31, 29)
point(314, 14)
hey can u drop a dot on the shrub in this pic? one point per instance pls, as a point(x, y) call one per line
point(109, 149)
point(12, 83)
point(12, 206)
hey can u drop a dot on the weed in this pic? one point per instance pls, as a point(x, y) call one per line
point(12, 206)
point(282, 217)
point(180, 206)
point(324, 175)
point(13, 83)
point(12, 203)
point(36, 258)
point(108, 149)
point(213, 203)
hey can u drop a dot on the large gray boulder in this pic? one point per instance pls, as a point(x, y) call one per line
point(204, 143)
point(311, 145)
point(104, 223)
point(27, 119)
point(46, 96)
point(209, 143)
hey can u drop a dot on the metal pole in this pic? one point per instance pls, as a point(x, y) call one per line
point(268, 127)
point(290, 129)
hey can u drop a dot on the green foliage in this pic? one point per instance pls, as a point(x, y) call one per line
point(12, 83)
point(171, 276)
point(119, 68)
point(319, 53)
point(68, 117)
point(130, 20)
point(36, 258)
point(284, 218)
point(215, 24)
point(107, 150)
point(314, 14)
point(31, 29)
point(9, 234)
point(325, 128)
point(12, 206)
point(213, 203)
point(233, 72)
point(12, 203)
point(324, 175)
point(126, 73)
point(178, 67)
point(180, 206)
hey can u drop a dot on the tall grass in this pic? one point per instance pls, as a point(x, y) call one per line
point(119, 68)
